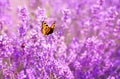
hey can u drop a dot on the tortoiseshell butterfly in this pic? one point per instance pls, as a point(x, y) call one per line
point(46, 30)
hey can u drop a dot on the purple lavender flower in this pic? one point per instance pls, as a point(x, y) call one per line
point(84, 45)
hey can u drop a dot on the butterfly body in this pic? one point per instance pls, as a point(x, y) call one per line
point(46, 30)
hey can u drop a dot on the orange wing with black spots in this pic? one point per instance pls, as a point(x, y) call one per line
point(46, 30)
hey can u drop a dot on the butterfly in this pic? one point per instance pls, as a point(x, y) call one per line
point(46, 30)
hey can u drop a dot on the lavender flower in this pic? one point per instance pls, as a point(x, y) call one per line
point(84, 45)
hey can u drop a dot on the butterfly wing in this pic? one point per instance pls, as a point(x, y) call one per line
point(45, 28)
point(52, 28)
point(53, 25)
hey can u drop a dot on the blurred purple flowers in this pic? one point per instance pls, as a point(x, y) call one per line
point(84, 45)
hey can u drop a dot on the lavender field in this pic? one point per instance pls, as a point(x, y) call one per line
point(85, 43)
